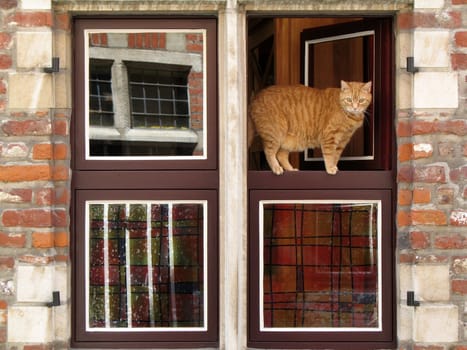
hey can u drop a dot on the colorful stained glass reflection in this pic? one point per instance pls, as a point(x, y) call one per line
point(320, 265)
point(146, 265)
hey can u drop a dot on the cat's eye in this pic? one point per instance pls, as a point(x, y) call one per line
point(362, 100)
point(348, 99)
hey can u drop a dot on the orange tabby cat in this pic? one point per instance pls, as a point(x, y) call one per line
point(294, 118)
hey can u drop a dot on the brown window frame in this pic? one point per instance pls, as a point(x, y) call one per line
point(152, 180)
point(356, 180)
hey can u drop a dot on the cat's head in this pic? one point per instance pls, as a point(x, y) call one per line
point(355, 97)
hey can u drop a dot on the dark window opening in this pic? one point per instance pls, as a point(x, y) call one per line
point(321, 269)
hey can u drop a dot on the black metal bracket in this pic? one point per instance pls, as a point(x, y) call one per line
point(55, 299)
point(411, 65)
point(411, 299)
point(55, 66)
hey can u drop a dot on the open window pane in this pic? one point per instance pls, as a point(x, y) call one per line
point(349, 57)
point(146, 265)
point(321, 268)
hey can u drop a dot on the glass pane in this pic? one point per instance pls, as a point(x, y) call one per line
point(320, 265)
point(147, 80)
point(146, 265)
point(348, 57)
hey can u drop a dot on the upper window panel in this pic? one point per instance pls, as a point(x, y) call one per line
point(144, 93)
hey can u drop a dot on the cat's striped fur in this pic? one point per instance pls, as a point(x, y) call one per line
point(294, 118)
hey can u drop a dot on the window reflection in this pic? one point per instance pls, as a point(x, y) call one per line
point(146, 94)
point(320, 266)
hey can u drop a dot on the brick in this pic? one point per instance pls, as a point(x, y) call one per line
point(432, 281)
point(445, 195)
point(8, 4)
point(62, 21)
point(2, 87)
point(459, 286)
point(428, 347)
point(450, 241)
point(404, 129)
point(405, 152)
point(60, 173)
point(6, 262)
point(422, 127)
point(5, 40)
point(459, 2)
point(461, 39)
point(61, 239)
point(12, 240)
point(421, 196)
point(17, 173)
point(5, 61)
point(60, 127)
point(419, 240)
point(31, 19)
point(459, 265)
point(27, 128)
point(411, 20)
point(47, 151)
point(404, 197)
point(458, 218)
point(15, 150)
point(17, 195)
point(459, 61)
point(34, 218)
point(430, 174)
point(422, 150)
point(428, 217)
point(43, 240)
point(403, 218)
point(447, 149)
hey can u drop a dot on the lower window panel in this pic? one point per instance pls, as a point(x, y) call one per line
point(320, 267)
point(147, 273)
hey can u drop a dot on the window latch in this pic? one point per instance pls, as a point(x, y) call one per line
point(55, 66)
point(411, 299)
point(55, 299)
point(411, 65)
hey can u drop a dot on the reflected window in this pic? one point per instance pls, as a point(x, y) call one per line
point(100, 94)
point(146, 265)
point(159, 97)
point(146, 94)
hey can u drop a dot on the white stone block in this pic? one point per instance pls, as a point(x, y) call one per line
point(30, 90)
point(431, 282)
point(436, 90)
point(436, 324)
point(404, 42)
point(34, 283)
point(30, 324)
point(62, 323)
point(404, 91)
point(428, 4)
point(36, 4)
point(431, 48)
point(405, 324)
point(33, 49)
point(405, 280)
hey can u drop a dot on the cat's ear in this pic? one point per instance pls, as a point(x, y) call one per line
point(344, 85)
point(367, 87)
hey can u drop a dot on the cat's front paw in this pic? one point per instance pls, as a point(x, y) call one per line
point(332, 170)
point(278, 170)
